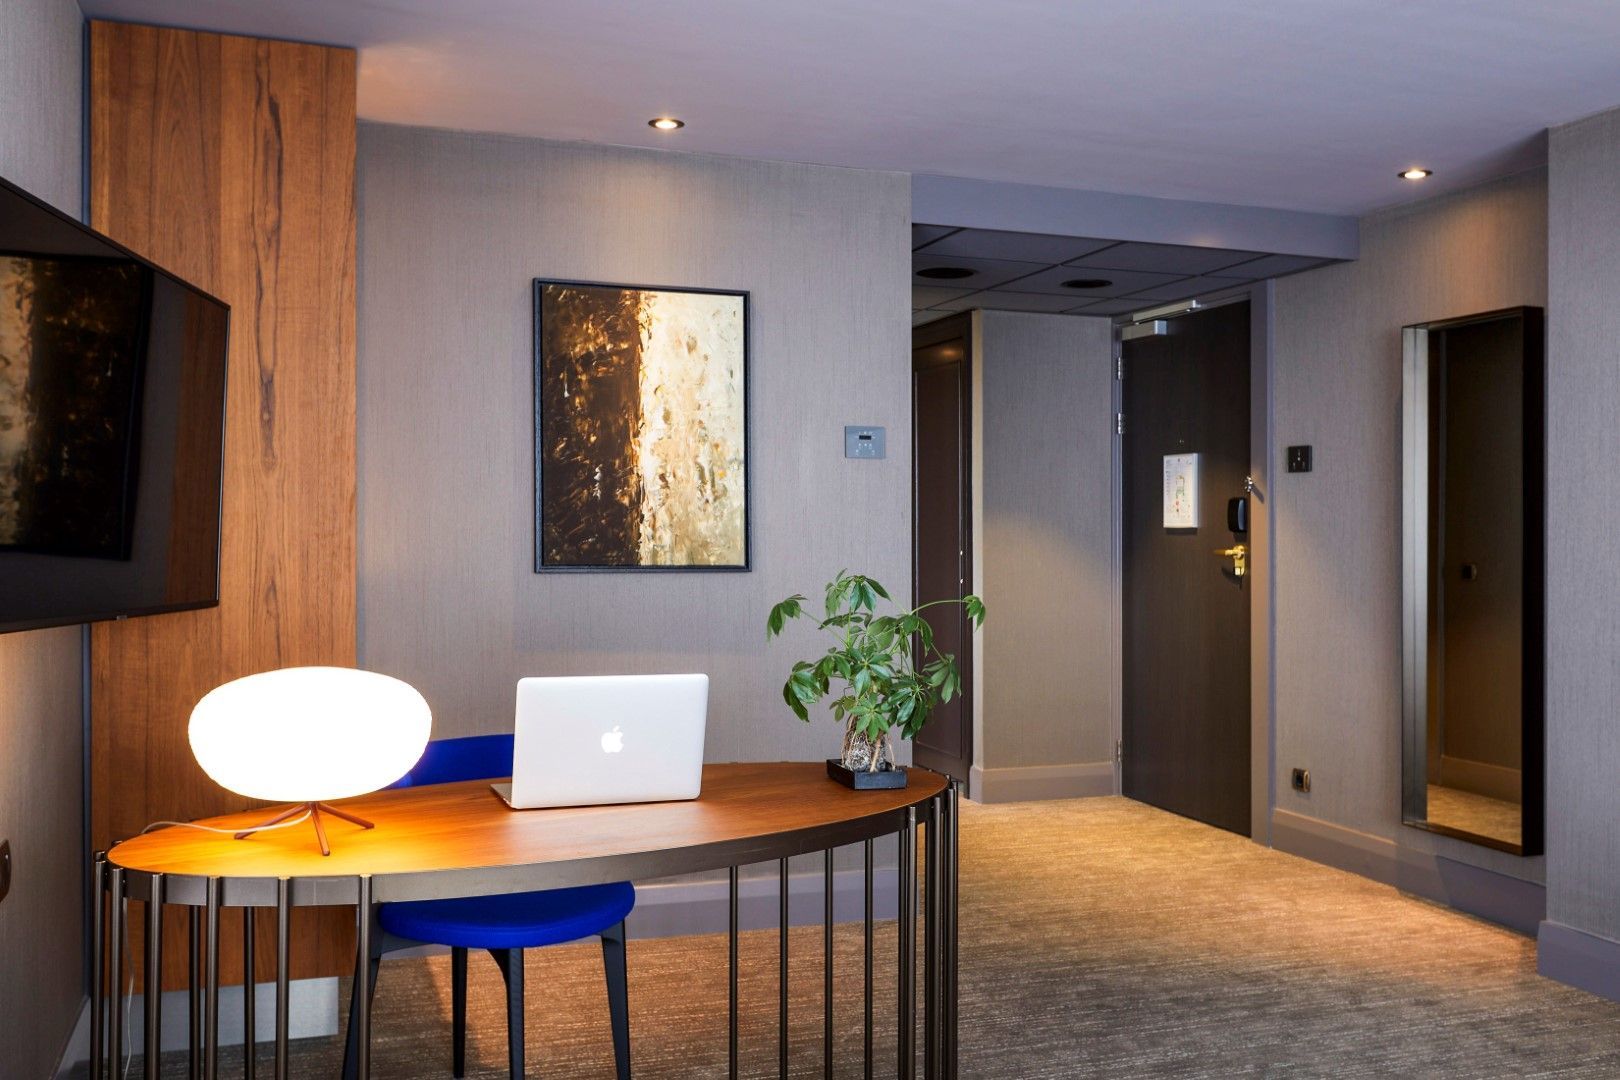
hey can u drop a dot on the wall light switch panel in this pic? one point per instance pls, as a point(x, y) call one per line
point(864, 442)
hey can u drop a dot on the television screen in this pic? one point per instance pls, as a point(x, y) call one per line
point(112, 397)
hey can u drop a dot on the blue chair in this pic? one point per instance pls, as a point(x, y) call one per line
point(503, 925)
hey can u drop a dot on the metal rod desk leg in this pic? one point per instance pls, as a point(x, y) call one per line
point(827, 965)
point(250, 986)
point(362, 1000)
point(906, 1065)
point(211, 980)
point(98, 923)
point(118, 916)
point(868, 966)
point(931, 994)
point(732, 941)
point(782, 969)
point(953, 836)
point(283, 962)
point(153, 984)
point(193, 992)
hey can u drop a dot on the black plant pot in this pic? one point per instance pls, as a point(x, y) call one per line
point(863, 780)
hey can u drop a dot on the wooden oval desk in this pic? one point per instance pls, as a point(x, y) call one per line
point(462, 840)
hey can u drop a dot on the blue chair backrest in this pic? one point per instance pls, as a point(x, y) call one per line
point(475, 757)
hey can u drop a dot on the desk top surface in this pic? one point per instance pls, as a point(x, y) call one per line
point(466, 826)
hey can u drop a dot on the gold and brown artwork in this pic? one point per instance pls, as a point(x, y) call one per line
point(641, 428)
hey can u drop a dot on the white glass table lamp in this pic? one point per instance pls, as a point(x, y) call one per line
point(307, 735)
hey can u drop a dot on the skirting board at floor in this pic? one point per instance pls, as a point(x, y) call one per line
point(1576, 958)
point(1508, 901)
point(1032, 782)
point(312, 1012)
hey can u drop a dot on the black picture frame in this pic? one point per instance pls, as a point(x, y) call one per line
point(541, 565)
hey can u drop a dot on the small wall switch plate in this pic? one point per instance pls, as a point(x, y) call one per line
point(5, 868)
point(866, 443)
point(1302, 780)
point(1299, 459)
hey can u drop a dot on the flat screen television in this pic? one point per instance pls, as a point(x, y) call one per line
point(112, 425)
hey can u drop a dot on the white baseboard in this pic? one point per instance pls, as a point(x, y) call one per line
point(1032, 782)
point(1507, 901)
point(312, 1012)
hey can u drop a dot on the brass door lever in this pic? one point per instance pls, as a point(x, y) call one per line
point(1239, 556)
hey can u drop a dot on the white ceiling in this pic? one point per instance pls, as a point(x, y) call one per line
point(1299, 104)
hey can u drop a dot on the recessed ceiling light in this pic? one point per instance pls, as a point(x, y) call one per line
point(1087, 283)
point(1416, 173)
point(946, 273)
point(666, 123)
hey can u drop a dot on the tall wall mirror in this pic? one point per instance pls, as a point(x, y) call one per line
point(1472, 578)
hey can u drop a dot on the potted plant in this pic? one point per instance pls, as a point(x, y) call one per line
point(886, 669)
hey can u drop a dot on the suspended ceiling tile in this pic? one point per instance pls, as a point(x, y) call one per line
point(927, 296)
point(920, 317)
point(927, 234)
point(1027, 247)
point(1109, 307)
point(1120, 282)
point(1002, 300)
point(987, 273)
point(1164, 258)
point(1188, 287)
point(1272, 266)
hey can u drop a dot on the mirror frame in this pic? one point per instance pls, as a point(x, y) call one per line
point(1415, 580)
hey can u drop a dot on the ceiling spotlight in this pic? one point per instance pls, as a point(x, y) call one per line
point(946, 273)
point(1416, 173)
point(666, 123)
point(1087, 283)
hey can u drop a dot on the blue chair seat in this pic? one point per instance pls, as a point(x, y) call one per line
point(512, 921)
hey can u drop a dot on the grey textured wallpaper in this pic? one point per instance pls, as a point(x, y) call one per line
point(41, 739)
point(1337, 386)
point(453, 228)
point(1583, 570)
point(1046, 394)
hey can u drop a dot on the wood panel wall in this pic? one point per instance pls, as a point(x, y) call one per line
point(231, 162)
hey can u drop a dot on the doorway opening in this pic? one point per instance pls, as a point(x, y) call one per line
point(941, 494)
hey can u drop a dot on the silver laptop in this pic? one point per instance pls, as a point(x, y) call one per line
point(594, 740)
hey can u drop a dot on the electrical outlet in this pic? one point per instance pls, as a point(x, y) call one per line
point(5, 868)
point(1302, 780)
point(1299, 459)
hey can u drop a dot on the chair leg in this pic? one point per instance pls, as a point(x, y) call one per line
point(458, 1011)
point(616, 966)
point(510, 961)
point(351, 1038)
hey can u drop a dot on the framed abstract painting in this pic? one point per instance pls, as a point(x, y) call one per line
point(641, 428)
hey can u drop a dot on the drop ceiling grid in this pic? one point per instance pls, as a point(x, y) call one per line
point(1026, 266)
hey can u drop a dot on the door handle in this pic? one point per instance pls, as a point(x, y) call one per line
point(1239, 556)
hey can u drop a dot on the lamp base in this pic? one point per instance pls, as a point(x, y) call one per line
point(314, 809)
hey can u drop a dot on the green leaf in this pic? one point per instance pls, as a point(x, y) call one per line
point(975, 609)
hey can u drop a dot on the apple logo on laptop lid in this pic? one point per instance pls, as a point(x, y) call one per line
point(613, 741)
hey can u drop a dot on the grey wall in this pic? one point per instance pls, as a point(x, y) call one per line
point(1583, 573)
point(1337, 385)
point(1045, 401)
point(453, 227)
point(41, 740)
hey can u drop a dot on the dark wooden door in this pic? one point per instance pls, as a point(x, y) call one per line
point(941, 363)
point(1186, 613)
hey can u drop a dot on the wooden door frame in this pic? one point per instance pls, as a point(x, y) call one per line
point(1262, 561)
point(963, 326)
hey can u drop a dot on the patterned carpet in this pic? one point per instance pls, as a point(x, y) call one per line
point(1101, 938)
